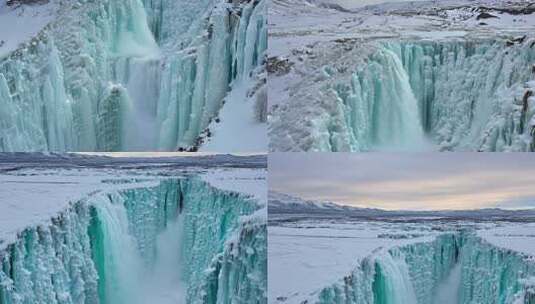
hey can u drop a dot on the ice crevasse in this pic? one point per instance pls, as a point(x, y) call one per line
point(128, 74)
point(447, 95)
point(458, 268)
point(180, 241)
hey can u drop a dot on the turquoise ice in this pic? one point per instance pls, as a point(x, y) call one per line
point(182, 241)
point(454, 94)
point(458, 268)
point(128, 74)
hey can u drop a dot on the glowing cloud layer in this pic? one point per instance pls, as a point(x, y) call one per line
point(419, 181)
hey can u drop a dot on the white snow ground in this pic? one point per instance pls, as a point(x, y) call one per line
point(247, 181)
point(35, 196)
point(238, 130)
point(520, 237)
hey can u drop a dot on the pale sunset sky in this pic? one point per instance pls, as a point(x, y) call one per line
point(408, 181)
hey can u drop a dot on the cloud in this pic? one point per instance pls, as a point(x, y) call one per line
point(408, 180)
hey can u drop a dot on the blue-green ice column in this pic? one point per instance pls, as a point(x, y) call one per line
point(472, 95)
point(53, 87)
point(239, 274)
point(51, 264)
point(195, 81)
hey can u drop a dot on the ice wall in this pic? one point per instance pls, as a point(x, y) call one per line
point(118, 75)
point(471, 93)
point(381, 106)
point(238, 275)
point(418, 273)
point(233, 45)
point(494, 275)
point(157, 245)
point(465, 95)
point(447, 95)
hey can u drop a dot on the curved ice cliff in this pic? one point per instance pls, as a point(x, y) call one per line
point(182, 241)
point(128, 74)
point(452, 95)
point(454, 268)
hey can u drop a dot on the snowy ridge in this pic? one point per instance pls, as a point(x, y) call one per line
point(119, 161)
point(290, 206)
point(24, 22)
point(283, 203)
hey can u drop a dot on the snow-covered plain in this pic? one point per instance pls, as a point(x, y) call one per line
point(520, 238)
point(33, 197)
point(389, 76)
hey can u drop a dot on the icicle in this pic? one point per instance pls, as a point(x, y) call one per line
point(113, 114)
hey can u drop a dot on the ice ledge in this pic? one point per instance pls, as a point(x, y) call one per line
point(33, 193)
point(322, 256)
point(33, 197)
point(518, 238)
point(251, 182)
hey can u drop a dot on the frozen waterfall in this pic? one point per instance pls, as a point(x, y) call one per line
point(383, 110)
point(444, 95)
point(450, 90)
point(456, 268)
point(179, 242)
point(128, 75)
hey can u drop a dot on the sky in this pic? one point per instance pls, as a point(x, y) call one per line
point(408, 181)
